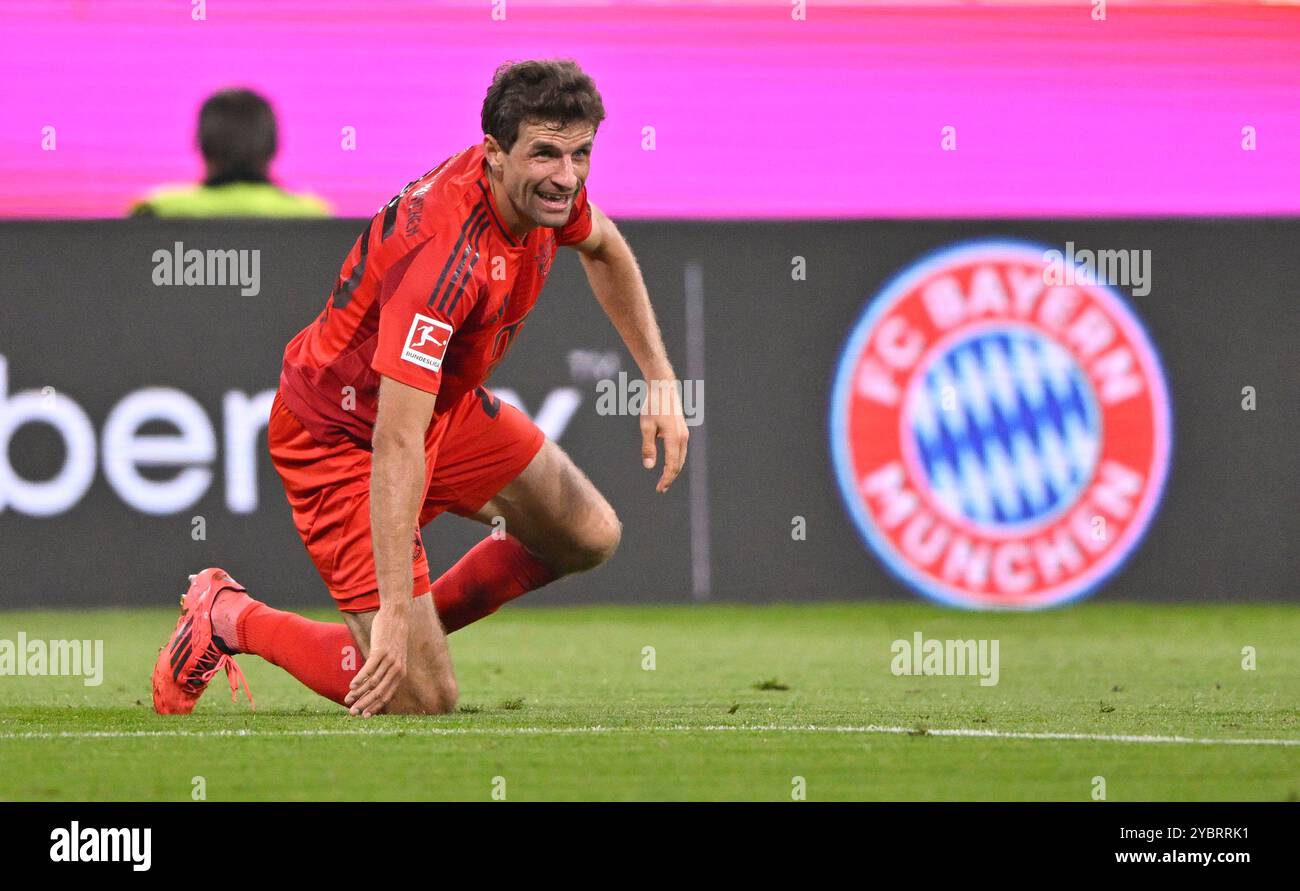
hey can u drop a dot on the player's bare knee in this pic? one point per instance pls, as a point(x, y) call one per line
point(443, 694)
point(439, 698)
point(450, 696)
point(442, 703)
point(597, 542)
point(610, 536)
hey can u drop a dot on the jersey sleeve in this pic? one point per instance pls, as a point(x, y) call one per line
point(579, 225)
point(424, 299)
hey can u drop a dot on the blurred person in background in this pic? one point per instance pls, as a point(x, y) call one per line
point(238, 138)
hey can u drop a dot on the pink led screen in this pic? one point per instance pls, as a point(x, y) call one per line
point(754, 114)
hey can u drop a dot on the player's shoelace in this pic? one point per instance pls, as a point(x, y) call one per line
point(209, 664)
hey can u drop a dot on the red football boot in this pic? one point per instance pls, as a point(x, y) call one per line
point(192, 654)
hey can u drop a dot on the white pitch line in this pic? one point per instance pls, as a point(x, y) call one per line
point(671, 728)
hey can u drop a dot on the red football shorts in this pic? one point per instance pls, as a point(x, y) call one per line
point(472, 452)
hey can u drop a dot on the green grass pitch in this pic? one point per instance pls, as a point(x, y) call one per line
point(556, 702)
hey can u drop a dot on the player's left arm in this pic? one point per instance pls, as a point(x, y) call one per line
point(619, 288)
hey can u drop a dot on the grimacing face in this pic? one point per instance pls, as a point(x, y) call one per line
point(543, 172)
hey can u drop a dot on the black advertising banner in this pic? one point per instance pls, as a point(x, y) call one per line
point(989, 414)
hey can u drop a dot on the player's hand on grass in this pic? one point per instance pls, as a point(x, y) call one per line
point(385, 667)
point(662, 418)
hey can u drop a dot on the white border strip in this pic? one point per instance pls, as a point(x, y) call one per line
point(671, 728)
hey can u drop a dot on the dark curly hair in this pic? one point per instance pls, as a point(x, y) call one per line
point(547, 90)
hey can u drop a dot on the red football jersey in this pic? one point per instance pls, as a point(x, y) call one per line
point(432, 294)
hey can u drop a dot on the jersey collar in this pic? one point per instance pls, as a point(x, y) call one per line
point(491, 201)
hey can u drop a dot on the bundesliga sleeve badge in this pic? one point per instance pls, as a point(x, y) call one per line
point(426, 342)
point(1000, 439)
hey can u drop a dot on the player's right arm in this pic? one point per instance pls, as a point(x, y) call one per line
point(421, 307)
point(397, 475)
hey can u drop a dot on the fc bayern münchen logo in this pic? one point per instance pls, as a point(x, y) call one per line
point(1000, 438)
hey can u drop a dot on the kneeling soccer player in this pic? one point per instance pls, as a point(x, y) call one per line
point(382, 421)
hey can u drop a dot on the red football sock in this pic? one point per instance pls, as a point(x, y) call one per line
point(494, 572)
point(322, 655)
